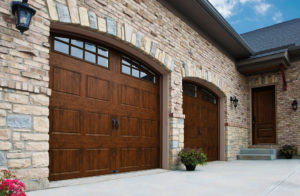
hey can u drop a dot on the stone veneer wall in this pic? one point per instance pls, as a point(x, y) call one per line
point(287, 120)
point(144, 25)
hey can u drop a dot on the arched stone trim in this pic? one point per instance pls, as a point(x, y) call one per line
point(222, 108)
point(73, 14)
point(209, 78)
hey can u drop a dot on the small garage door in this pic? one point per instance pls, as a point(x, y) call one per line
point(104, 111)
point(200, 107)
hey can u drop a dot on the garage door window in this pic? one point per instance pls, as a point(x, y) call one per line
point(137, 70)
point(86, 51)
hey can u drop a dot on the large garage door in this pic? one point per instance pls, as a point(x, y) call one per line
point(200, 107)
point(104, 111)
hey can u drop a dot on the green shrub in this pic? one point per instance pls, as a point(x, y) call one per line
point(192, 157)
point(288, 151)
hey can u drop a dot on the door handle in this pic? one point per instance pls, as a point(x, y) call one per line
point(113, 124)
point(117, 124)
point(199, 131)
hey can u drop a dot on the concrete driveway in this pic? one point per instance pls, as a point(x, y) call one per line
point(241, 178)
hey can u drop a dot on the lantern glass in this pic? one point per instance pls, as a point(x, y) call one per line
point(23, 14)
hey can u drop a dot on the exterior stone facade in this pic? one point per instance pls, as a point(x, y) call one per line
point(145, 25)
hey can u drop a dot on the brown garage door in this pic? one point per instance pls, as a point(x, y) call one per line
point(104, 111)
point(200, 107)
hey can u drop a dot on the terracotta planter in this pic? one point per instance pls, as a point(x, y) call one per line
point(190, 167)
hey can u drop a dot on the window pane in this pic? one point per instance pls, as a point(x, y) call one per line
point(190, 89)
point(135, 73)
point(76, 52)
point(125, 69)
point(90, 47)
point(90, 57)
point(125, 61)
point(63, 39)
point(103, 51)
point(150, 78)
point(102, 61)
point(77, 43)
point(61, 47)
point(209, 97)
point(143, 75)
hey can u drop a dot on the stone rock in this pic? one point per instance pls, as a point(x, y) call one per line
point(93, 20)
point(111, 25)
point(4, 134)
point(19, 121)
point(29, 109)
point(39, 99)
point(128, 32)
point(34, 173)
point(41, 124)
point(101, 24)
point(40, 159)
point(63, 13)
point(36, 184)
point(73, 11)
point(84, 18)
point(2, 159)
point(35, 137)
point(139, 38)
point(5, 145)
point(52, 10)
point(16, 98)
point(186, 68)
point(18, 163)
point(153, 48)
point(37, 146)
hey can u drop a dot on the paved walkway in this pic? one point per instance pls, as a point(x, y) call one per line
point(234, 178)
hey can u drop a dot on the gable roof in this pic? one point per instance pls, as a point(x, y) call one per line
point(275, 37)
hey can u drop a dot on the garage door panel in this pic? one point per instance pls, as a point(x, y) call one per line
point(65, 161)
point(129, 96)
point(129, 158)
point(98, 160)
point(98, 88)
point(98, 124)
point(129, 126)
point(66, 81)
point(71, 119)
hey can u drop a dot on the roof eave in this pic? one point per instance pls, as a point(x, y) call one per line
point(264, 64)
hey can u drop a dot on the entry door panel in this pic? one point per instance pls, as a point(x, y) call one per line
point(85, 99)
point(263, 118)
point(201, 120)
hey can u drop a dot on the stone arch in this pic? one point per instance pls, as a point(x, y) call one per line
point(222, 108)
point(72, 13)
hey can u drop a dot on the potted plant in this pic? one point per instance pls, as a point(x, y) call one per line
point(10, 186)
point(191, 158)
point(288, 151)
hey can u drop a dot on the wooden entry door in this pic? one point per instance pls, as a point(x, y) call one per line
point(263, 115)
point(201, 124)
point(104, 111)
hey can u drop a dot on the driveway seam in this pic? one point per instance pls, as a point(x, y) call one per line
point(281, 182)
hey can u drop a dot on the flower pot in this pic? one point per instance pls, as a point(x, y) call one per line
point(190, 167)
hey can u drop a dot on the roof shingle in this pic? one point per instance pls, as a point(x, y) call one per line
point(275, 37)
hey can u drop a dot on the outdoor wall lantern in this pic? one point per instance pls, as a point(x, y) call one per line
point(295, 105)
point(23, 14)
point(234, 100)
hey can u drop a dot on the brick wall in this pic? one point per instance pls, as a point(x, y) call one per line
point(145, 25)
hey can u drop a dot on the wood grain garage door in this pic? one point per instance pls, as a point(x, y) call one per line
point(201, 125)
point(104, 111)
